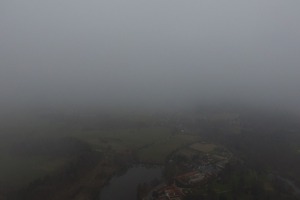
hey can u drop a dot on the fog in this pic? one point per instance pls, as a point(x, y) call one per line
point(148, 54)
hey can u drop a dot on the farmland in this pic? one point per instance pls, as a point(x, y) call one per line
point(73, 155)
point(36, 146)
point(157, 152)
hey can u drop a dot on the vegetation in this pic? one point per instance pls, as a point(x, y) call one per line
point(48, 149)
point(158, 152)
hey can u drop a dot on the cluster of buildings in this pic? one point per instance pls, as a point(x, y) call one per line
point(190, 179)
point(171, 192)
point(198, 173)
point(192, 171)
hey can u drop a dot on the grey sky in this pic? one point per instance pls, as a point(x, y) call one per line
point(149, 53)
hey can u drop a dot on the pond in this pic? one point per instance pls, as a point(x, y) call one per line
point(125, 186)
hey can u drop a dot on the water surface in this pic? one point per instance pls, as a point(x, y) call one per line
point(125, 186)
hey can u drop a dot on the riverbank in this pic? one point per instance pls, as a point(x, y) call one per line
point(126, 185)
point(81, 179)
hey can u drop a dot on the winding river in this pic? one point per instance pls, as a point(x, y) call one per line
point(125, 186)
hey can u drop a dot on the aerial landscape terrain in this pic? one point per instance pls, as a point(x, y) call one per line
point(149, 100)
point(201, 154)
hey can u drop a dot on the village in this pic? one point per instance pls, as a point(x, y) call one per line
point(190, 171)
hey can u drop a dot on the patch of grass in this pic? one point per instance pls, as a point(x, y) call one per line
point(20, 170)
point(203, 147)
point(158, 152)
point(188, 152)
point(119, 139)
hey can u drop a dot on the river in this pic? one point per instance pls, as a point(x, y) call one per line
point(125, 186)
point(291, 184)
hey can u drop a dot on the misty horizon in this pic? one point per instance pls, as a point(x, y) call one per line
point(149, 54)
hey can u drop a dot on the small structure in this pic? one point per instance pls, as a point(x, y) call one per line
point(168, 193)
point(190, 178)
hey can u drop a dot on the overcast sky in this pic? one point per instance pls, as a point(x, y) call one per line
point(154, 53)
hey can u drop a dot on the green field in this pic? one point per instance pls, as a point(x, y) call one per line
point(203, 147)
point(121, 139)
point(151, 145)
point(158, 152)
point(149, 139)
point(20, 170)
point(24, 158)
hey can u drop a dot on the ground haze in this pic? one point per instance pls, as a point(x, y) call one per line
point(90, 89)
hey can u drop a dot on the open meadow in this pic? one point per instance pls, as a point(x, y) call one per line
point(36, 146)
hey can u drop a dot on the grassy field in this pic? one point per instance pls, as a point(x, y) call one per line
point(22, 146)
point(119, 139)
point(158, 152)
point(19, 170)
point(151, 144)
point(187, 152)
point(203, 147)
